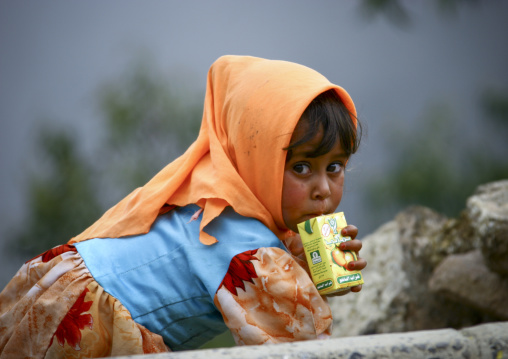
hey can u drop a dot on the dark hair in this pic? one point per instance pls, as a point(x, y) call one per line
point(328, 112)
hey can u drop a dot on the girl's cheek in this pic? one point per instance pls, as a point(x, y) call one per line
point(293, 193)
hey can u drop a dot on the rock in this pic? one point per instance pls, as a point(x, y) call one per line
point(402, 257)
point(395, 297)
point(465, 278)
point(487, 211)
point(381, 301)
point(479, 342)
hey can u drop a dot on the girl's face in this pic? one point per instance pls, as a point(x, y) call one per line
point(312, 185)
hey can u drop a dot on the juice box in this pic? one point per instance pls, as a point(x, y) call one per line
point(327, 263)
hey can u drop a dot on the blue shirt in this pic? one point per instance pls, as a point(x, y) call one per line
point(167, 278)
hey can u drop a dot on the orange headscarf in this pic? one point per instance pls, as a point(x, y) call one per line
point(251, 108)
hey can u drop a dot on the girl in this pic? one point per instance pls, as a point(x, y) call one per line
point(209, 243)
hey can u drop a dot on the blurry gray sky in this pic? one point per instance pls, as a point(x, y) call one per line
point(54, 55)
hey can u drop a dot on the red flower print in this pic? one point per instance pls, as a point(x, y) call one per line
point(70, 327)
point(54, 252)
point(240, 269)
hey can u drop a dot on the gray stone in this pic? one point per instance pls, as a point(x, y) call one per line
point(466, 279)
point(487, 211)
point(385, 284)
point(491, 340)
point(484, 341)
point(402, 255)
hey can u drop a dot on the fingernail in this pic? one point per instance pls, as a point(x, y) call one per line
point(342, 246)
point(351, 266)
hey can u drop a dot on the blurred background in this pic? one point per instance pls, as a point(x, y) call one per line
point(97, 96)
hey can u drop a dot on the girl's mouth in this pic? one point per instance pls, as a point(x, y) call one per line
point(310, 216)
point(316, 214)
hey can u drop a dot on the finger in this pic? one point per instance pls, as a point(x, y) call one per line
point(339, 294)
point(357, 265)
point(352, 245)
point(356, 289)
point(349, 231)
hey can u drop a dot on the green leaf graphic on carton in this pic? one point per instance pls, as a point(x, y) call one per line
point(308, 228)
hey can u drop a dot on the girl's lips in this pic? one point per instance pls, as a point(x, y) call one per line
point(310, 216)
point(314, 215)
point(318, 213)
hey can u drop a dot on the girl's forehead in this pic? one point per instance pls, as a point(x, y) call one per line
point(310, 146)
point(303, 130)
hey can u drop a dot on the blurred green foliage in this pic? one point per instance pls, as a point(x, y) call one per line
point(439, 164)
point(397, 13)
point(146, 125)
point(433, 164)
point(224, 340)
point(61, 195)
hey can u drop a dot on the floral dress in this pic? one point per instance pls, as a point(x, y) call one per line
point(56, 307)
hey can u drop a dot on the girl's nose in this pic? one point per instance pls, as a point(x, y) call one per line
point(321, 188)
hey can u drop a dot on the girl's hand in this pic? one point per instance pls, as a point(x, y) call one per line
point(352, 245)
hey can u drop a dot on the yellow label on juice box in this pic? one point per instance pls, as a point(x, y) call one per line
point(327, 263)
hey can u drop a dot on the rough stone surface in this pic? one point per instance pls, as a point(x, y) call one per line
point(395, 297)
point(381, 303)
point(402, 257)
point(465, 278)
point(491, 339)
point(487, 211)
point(485, 341)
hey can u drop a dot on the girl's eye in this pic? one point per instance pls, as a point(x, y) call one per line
point(301, 168)
point(334, 167)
